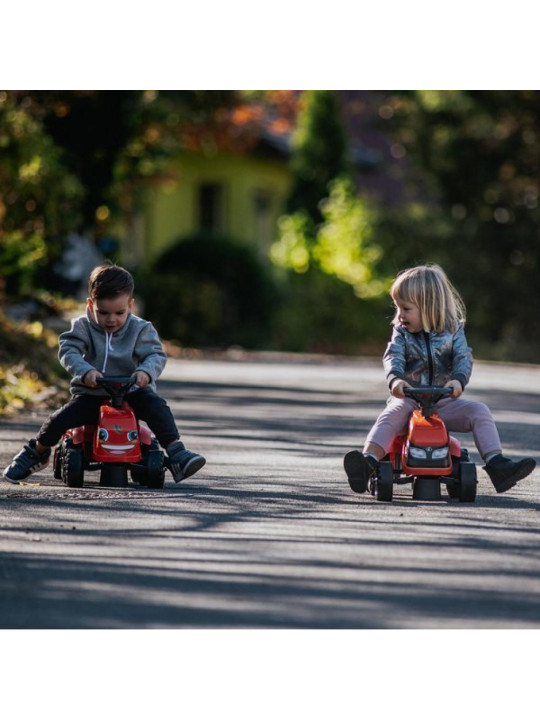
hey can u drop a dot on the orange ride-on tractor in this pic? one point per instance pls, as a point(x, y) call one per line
point(427, 456)
point(116, 445)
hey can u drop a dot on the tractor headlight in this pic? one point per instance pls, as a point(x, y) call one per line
point(417, 453)
point(132, 435)
point(103, 434)
point(440, 453)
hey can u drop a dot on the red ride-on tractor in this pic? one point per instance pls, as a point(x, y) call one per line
point(427, 455)
point(118, 443)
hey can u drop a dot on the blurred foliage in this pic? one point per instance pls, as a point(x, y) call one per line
point(456, 182)
point(332, 293)
point(113, 138)
point(327, 317)
point(474, 159)
point(39, 199)
point(29, 366)
point(319, 152)
point(212, 292)
point(209, 291)
point(69, 159)
point(340, 246)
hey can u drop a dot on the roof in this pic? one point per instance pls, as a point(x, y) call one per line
point(264, 127)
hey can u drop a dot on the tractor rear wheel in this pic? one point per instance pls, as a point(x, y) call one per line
point(72, 467)
point(385, 482)
point(467, 482)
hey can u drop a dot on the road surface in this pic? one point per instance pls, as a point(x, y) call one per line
point(268, 534)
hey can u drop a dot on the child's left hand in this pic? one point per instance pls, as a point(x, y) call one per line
point(142, 378)
point(457, 390)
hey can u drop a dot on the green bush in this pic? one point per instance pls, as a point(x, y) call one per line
point(319, 313)
point(209, 291)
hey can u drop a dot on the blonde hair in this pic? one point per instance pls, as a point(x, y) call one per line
point(427, 287)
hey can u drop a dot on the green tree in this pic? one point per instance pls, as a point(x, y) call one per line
point(479, 152)
point(326, 244)
point(342, 245)
point(39, 198)
point(333, 293)
point(319, 152)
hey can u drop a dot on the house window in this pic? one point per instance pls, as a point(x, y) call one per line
point(211, 207)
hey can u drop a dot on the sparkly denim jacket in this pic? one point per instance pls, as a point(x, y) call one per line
point(428, 358)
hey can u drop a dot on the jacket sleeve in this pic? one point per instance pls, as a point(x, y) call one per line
point(394, 357)
point(73, 345)
point(149, 353)
point(462, 363)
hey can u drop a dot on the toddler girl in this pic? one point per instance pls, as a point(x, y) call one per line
point(428, 347)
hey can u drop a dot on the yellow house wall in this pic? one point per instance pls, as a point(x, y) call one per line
point(171, 209)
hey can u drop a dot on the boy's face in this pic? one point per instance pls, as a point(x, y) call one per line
point(111, 313)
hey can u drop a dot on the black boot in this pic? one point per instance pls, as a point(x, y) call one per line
point(505, 473)
point(359, 469)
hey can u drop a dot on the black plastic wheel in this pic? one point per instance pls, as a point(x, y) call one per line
point(151, 469)
point(467, 482)
point(138, 475)
point(464, 457)
point(113, 475)
point(57, 462)
point(155, 477)
point(453, 486)
point(385, 482)
point(73, 467)
point(453, 489)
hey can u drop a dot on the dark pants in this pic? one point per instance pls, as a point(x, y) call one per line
point(84, 410)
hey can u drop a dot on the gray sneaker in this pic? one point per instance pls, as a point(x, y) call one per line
point(183, 463)
point(26, 462)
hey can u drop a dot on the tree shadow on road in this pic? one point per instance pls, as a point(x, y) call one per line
point(53, 592)
point(231, 568)
point(293, 549)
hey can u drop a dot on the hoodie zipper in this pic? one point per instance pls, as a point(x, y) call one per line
point(430, 358)
point(108, 346)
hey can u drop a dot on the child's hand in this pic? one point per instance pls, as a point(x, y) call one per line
point(90, 378)
point(457, 390)
point(397, 388)
point(142, 378)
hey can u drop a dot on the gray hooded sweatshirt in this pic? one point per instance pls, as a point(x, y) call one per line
point(86, 346)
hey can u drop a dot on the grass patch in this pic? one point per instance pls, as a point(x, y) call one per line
point(30, 373)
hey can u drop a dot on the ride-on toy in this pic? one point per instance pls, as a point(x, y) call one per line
point(118, 443)
point(426, 456)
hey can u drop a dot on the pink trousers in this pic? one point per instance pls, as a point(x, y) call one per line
point(458, 415)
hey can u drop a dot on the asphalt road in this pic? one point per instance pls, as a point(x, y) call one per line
point(268, 534)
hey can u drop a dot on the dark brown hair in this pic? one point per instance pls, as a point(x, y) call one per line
point(107, 281)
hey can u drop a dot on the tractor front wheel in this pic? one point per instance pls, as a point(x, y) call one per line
point(113, 475)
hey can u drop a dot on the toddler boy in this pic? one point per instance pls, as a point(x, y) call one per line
point(109, 340)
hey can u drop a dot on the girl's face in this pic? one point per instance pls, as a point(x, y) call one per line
point(409, 316)
point(111, 313)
